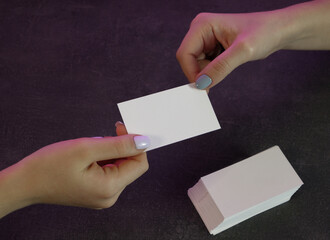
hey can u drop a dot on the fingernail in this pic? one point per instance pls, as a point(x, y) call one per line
point(141, 142)
point(119, 123)
point(203, 82)
point(97, 137)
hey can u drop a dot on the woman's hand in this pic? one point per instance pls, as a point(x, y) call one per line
point(85, 172)
point(218, 43)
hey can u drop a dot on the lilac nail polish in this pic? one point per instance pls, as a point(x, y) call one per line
point(141, 142)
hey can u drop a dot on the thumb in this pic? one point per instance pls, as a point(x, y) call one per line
point(117, 147)
point(220, 67)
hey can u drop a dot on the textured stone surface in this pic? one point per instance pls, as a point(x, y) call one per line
point(65, 64)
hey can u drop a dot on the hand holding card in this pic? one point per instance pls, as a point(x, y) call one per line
point(170, 116)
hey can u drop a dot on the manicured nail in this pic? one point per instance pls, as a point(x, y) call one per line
point(119, 123)
point(203, 82)
point(97, 137)
point(141, 142)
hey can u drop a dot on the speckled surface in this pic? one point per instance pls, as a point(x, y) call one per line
point(64, 65)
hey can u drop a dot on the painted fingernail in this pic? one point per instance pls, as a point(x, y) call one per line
point(203, 82)
point(97, 137)
point(141, 142)
point(119, 123)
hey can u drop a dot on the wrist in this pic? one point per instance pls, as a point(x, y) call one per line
point(288, 29)
point(302, 26)
point(15, 192)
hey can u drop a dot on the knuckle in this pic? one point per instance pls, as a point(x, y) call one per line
point(104, 194)
point(109, 201)
point(179, 54)
point(121, 146)
point(106, 203)
point(107, 191)
point(200, 17)
point(145, 165)
point(247, 48)
point(221, 67)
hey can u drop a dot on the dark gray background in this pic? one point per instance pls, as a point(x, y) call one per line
point(64, 65)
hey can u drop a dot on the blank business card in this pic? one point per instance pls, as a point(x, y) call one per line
point(170, 116)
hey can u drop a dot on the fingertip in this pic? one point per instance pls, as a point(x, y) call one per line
point(224, 64)
point(118, 123)
point(120, 128)
point(141, 142)
point(203, 82)
point(213, 73)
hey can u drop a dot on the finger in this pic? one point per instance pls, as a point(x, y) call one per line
point(109, 202)
point(125, 171)
point(203, 63)
point(114, 147)
point(187, 55)
point(198, 40)
point(114, 199)
point(221, 66)
point(120, 129)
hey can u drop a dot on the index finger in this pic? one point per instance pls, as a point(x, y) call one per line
point(125, 171)
point(119, 147)
point(199, 41)
point(188, 52)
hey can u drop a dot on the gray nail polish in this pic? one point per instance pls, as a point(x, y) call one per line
point(141, 142)
point(203, 82)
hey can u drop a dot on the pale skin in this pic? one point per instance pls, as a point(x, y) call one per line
point(85, 172)
point(251, 36)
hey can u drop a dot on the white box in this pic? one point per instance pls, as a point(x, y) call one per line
point(242, 190)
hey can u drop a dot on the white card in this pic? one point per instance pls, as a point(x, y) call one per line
point(170, 116)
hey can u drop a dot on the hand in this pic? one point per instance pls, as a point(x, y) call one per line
point(244, 37)
point(85, 172)
point(247, 37)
